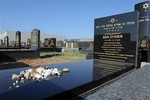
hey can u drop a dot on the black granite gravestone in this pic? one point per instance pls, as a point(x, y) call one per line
point(53, 42)
point(18, 39)
point(149, 52)
point(6, 41)
point(35, 39)
point(115, 38)
point(83, 44)
point(46, 42)
point(50, 42)
point(144, 28)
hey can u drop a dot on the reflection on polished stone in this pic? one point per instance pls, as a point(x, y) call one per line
point(83, 75)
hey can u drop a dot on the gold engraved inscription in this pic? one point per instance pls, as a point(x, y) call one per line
point(112, 48)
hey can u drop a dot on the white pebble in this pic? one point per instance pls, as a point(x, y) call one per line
point(10, 87)
point(22, 81)
point(39, 70)
point(22, 72)
point(47, 72)
point(22, 78)
point(14, 76)
point(66, 70)
point(38, 76)
point(14, 83)
point(29, 70)
point(17, 86)
point(55, 69)
point(17, 81)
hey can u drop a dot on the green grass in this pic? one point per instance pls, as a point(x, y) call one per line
point(74, 55)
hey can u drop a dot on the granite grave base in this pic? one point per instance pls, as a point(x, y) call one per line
point(15, 54)
point(47, 49)
point(82, 77)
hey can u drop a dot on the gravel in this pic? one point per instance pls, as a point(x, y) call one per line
point(134, 86)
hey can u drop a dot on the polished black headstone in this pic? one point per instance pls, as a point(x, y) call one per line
point(35, 39)
point(53, 42)
point(144, 20)
point(6, 41)
point(83, 44)
point(115, 38)
point(18, 39)
point(149, 52)
point(46, 42)
point(50, 42)
point(144, 28)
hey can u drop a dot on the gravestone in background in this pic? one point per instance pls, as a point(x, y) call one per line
point(46, 42)
point(18, 39)
point(144, 29)
point(115, 38)
point(75, 44)
point(6, 41)
point(11, 43)
point(50, 42)
point(53, 42)
point(28, 43)
point(23, 44)
point(71, 44)
point(35, 39)
point(1, 43)
point(68, 44)
point(59, 43)
point(83, 44)
point(41, 44)
point(91, 44)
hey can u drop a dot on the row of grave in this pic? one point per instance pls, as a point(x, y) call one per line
point(34, 42)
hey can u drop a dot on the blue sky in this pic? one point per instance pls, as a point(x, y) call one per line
point(70, 18)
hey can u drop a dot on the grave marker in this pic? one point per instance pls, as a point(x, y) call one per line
point(18, 39)
point(144, 29)
point(50, 42)
point(6, 41)
point(1, 43)
point(28, 43)
point(35, 39)
point(115, 38)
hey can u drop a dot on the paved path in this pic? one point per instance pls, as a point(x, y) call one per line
point(134, 86)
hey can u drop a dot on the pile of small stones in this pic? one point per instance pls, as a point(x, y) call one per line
point(37, 74)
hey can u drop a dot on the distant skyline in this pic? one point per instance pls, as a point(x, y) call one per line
point(70, 18)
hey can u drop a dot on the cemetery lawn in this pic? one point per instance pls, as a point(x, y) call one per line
point(54, 57)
